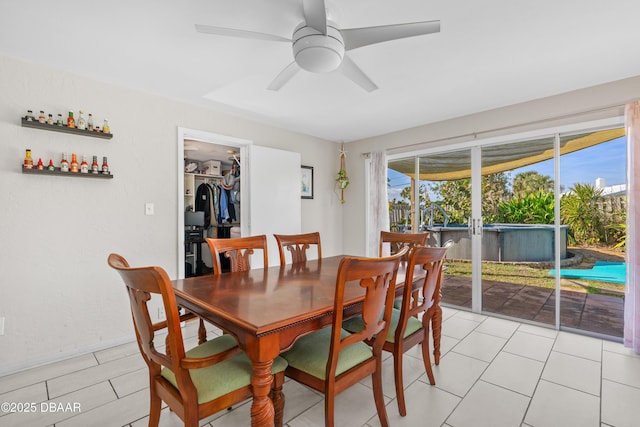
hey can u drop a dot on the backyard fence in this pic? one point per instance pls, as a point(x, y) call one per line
point(613, 208)
point(399, 214)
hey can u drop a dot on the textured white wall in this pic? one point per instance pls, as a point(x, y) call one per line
point(57, 294)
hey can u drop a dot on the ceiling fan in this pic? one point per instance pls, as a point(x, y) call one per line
point(319, 46)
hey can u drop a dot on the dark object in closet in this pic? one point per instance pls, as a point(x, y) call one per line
point(188, 270)
point(204, 201)
point(224, 232)
point(231, 208)
point(203, 269)
point(194, 236)
point(194, 219)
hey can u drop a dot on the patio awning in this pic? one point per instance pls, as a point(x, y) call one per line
point(457, 164)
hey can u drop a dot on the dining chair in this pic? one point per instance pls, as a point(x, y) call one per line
point(238, 251)
point(406, 330)
point(195, 383)
point(436, 316)
point(399, 240)
point(331, 360)
point(297, 244)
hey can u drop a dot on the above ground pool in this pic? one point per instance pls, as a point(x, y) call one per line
point(503, 242)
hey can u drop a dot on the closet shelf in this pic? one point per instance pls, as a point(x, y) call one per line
point(201, 175)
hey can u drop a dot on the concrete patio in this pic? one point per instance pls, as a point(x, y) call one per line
point(602, 314)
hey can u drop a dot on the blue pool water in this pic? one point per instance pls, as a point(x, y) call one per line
point(603, 271)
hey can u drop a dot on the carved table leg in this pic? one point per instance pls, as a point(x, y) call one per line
point(277, 397)
point(436, 325)
point(262, 412)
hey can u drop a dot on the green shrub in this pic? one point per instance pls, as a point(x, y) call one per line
point(532, 208)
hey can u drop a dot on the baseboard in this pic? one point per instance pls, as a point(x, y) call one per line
point(102, 345)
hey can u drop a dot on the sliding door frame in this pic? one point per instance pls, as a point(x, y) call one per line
point(475, 147)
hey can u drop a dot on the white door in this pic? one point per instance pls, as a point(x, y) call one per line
point(274, 196)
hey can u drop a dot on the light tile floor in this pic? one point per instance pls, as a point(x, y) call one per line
point(493, 372)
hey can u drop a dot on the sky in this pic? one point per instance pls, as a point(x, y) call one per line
point(606, 160)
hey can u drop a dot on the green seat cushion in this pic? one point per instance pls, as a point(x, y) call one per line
point(224, 377)
point(311, 354)
point(397, 303)
point(356, 324)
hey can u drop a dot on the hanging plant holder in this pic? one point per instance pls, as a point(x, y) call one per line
point(342, 181)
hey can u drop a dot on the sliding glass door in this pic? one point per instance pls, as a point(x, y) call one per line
point(593, 207)
point(531, 218)
point(433, 191)
point(518, 233)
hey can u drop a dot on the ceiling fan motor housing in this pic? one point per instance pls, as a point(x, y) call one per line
point(317, 52)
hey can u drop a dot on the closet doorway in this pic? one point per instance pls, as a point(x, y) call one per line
point(205, 158)
point(269, 178)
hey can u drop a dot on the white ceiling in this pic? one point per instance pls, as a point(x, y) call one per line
point(488, 54)
point(203, 151)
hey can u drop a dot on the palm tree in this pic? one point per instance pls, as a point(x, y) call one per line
point(579, 209)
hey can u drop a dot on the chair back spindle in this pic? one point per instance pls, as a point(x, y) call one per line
point(297, 245)
point(397, 241)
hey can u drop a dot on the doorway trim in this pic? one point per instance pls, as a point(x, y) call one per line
point(210, 138)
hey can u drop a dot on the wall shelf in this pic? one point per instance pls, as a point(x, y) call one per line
point(64, 129)
point(57, 171)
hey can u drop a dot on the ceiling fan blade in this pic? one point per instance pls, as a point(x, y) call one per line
point(315, 14)
point(231, 32)
point(351, 70)
point(358, 37)
point(284, 76)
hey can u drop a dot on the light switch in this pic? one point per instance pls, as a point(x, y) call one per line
point(148, 208)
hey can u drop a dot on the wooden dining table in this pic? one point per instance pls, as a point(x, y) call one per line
point(267, 309)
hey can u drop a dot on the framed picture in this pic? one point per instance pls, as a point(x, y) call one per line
point(306, 179)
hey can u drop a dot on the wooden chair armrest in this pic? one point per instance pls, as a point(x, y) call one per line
point(183, 318)
point(160, 325)
point(203, 362)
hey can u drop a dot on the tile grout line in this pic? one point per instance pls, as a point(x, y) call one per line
point(535, 389)
point(479, 376)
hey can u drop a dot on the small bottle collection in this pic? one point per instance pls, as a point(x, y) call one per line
point(71, 122)
point(66, 166)
point(73, 166)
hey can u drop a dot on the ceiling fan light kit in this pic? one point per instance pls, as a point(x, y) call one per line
point(317, 52)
